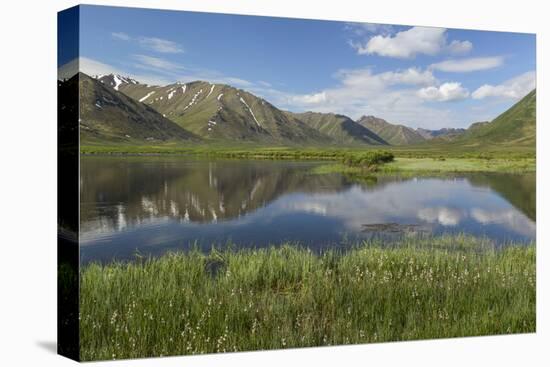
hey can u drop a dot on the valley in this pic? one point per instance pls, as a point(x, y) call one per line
point(119, 115)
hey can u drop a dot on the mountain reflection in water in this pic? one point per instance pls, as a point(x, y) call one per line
point(153, 204)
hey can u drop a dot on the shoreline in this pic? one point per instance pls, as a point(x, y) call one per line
point(400, 164)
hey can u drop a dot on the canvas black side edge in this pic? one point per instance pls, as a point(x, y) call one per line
point(68, 341)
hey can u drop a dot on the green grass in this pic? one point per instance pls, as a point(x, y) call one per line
point(430, 166)
point(284, 297)
point(460, 165)
point(406, 159)
point(408, 151)
point(248, 151)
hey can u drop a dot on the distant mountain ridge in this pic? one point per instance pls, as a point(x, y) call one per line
point(444, 133)
point(222, 112)
point(392, 133)
point(340, 128)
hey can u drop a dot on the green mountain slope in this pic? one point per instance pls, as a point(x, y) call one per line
point(339, 128)
point(108, 115)
point(219, 112)
point(516, 126)
point(392, 133)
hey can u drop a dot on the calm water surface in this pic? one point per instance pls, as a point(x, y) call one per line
point(155, 204)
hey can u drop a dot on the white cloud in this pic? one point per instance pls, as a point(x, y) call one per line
point(444, 93)
point(157, 63)
point(512, 218)
point(468, 65)
point(407, 44)
point(365, 77)
point(411, 76)
point(448, 217)
point(151, 43)
point(514, 88)
point(460, 47)
point(391, 95)
point(228, 80)
point(160, 45)
point(359, 85)
point(311, 99)
point(362, 29)
point(120, 36)
point(359, 206)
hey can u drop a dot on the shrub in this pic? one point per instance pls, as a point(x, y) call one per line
point(368, 160)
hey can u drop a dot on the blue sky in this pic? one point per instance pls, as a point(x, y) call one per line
point(418, 76)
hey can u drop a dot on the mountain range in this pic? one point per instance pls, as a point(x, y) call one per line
point(116, 108)
point(219, 112)
point(444, 133)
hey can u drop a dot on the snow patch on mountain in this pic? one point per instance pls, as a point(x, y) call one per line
point(250, 110)
point(117, 82)
point(211, 90)
point(147, 96)
point(193, 100)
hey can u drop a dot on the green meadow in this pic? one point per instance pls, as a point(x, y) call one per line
point(423, 158)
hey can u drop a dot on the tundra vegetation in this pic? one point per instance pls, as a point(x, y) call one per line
point(288, 296)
